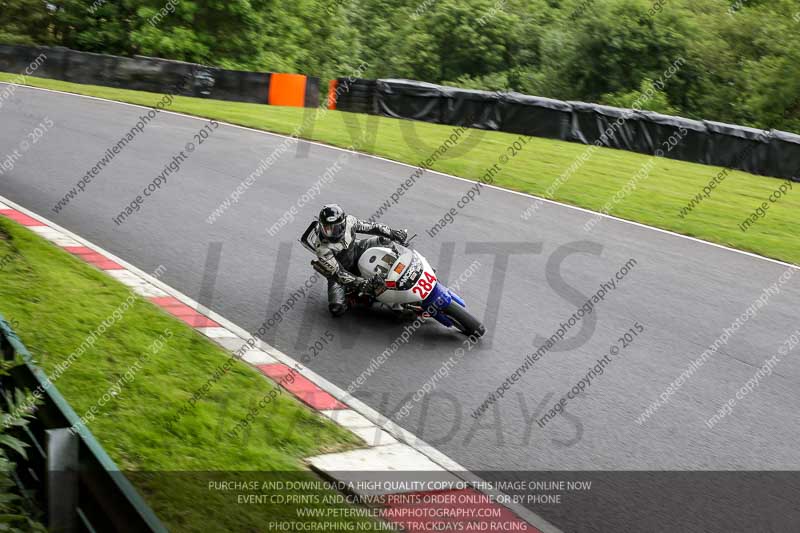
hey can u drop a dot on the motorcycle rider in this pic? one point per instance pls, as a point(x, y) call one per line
point(338, 252)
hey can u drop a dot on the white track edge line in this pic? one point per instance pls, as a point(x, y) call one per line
point(403, 435)
point(332, 147)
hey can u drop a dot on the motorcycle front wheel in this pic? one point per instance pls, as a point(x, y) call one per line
point(463, 321)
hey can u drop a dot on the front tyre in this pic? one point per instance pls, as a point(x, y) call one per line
point(463, 321)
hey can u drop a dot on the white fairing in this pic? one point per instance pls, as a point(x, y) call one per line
point(383, 261)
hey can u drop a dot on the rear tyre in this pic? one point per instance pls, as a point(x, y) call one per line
point(463, 321)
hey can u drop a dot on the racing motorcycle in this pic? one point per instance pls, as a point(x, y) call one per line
point(402, 279)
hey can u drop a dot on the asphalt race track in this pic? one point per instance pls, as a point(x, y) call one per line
point(530, 277)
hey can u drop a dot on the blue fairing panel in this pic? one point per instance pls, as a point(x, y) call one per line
point(438, 300)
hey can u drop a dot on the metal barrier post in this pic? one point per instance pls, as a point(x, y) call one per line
point(61, 488)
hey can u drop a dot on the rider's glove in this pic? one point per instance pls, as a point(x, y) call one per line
point(399, 235)
point(376, 285)
point(372, 287)
point(361, 285)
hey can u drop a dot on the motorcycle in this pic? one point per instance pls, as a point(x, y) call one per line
point(406, 282)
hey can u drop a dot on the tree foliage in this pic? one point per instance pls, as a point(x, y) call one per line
point(17, 515)
point(740, 61)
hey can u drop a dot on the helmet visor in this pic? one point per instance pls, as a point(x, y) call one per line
point(333, 230)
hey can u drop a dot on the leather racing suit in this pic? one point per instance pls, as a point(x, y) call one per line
point(338, 260)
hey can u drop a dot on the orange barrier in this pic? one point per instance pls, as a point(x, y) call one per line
point(332, 86)
point(287, 90)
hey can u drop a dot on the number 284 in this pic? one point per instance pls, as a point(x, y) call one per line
point(424, 285)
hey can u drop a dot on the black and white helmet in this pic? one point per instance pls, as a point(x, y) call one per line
point(332, 222)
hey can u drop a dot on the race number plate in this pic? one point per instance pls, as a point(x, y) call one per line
point(425, 285)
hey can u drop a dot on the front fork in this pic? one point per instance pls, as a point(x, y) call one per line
point(438, 300)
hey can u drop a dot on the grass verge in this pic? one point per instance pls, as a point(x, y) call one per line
point(656, 200)
point(56, 301)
